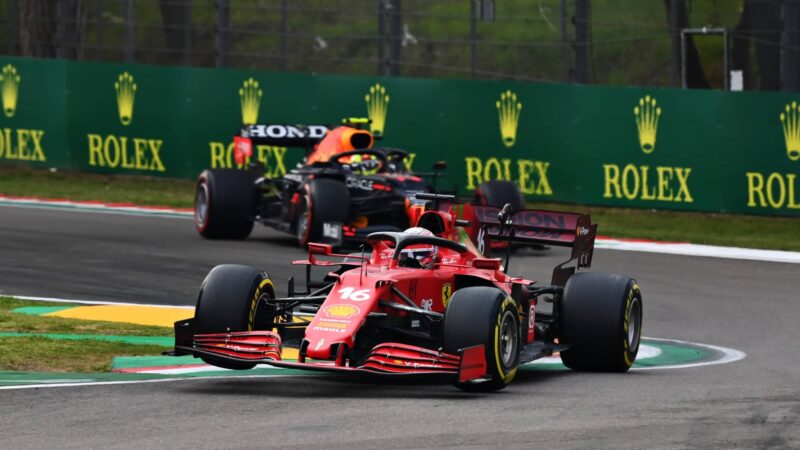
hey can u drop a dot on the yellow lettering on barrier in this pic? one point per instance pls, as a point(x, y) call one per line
point(473, 172)
point(634, 183)
point(611, 177)
point(22, 144)
point(664, 183)
point(95, 149)
point(217, 155)
point(223, 157)
point(113, 152)
point(778, 191)
point(530, 176)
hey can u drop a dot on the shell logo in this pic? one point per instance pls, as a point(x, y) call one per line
point(345, 311)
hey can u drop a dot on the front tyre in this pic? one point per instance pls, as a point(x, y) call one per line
point(484, 316)
point(233, 298)
point(601, 321)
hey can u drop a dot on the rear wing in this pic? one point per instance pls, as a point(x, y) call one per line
point(529, 226)
point(284, 135)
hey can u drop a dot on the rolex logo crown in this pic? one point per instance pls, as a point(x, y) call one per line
point(377, 107)
point(250, 96)
point(9, 88)
point(791, 130)
point(647, 114)
point(126, 93)
point(508, 109)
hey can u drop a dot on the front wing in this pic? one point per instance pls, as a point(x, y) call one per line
point(391, 358)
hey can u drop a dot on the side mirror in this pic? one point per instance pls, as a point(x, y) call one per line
point(439, 166)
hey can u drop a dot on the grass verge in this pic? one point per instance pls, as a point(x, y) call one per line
point(141, 190)
point(43, 354)
point(777, 233)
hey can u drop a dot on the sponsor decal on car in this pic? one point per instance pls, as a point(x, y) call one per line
point(343, 311)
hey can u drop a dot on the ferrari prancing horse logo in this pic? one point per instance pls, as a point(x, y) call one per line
point(447, 292)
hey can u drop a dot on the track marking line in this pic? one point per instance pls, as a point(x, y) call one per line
point(606, 243)
point(160, 380)
point(729, 355)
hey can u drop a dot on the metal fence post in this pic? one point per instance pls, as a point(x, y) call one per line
point(676, 44)
point(284, 34)
point(790, 42)
point(473, 37)
point(395, 36)
point(565, 66)
point(381, 37)
point(129, 45)
point(581, 41)
point(66, 29)
point(223, 22)
point(187, 34)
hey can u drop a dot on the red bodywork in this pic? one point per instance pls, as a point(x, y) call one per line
point(374, 286)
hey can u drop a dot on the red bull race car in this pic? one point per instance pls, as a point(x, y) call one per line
point(426, 302)
point(345, 189)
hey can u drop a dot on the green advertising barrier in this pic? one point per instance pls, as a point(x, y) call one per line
point(639, 147)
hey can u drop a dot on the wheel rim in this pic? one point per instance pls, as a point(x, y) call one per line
point(634, 314)
point(263, 316)
point(201, 205)
point(508, 339)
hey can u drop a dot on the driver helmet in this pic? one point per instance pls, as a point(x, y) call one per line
point(421, 256)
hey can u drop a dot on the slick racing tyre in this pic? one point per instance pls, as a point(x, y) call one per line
point(601, 321)
point(323, 200)
point(484, 315)
point(225, 204)
point(233, 298)
point(497, 193)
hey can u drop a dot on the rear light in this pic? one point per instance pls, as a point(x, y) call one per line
point(242, 149)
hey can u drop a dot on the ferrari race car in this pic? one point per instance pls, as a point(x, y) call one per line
point(345, 190)
point(425, 302)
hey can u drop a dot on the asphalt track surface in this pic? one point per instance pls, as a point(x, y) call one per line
point(750, 306)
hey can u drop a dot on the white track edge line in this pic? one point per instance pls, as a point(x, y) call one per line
point(90, 302)
point(160, 380)
point(729, 355)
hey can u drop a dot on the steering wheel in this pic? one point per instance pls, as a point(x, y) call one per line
point(365, 165)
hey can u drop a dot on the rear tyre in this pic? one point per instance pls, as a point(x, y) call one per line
point(484, 315)
point(601, 321)
point(233, 298)
point(497, 193)
point(225, 204)
point(323, 200)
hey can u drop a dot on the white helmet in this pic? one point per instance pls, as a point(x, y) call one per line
point(421, 255)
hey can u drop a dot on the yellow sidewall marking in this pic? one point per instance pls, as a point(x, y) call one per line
point(251, 316)
point(506, 377)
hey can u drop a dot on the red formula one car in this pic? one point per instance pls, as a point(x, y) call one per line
point(426, 302)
